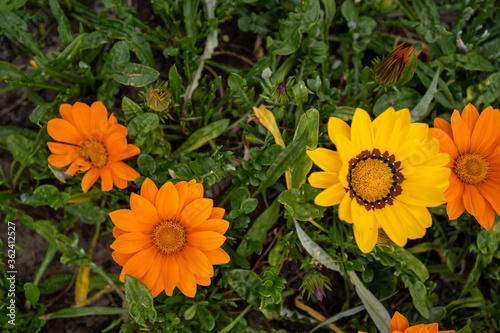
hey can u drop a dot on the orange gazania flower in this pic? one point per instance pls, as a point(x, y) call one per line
point(472, 141)
point(91, 142)
point(388, 71)
point(399, 324)
point(171, 237)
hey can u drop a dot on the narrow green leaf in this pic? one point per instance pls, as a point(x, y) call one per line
point(175, 82)
point(284, 161)
point(421, 109)
point(63, 25)
point(130, 108)
point(10, 72)
point(309, 123)
point(17, 29)
point(202, 136)
point(140, 301)
point(83, 312)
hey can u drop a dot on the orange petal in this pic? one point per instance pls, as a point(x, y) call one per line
point(118, 181)
point(485, 137)
point(444, 126)
point(470, 116)
point(115, 144)
point(217, 213)
point(416, 329)
point(123, 171)
point(217, 225)
point(66, 112)
point(149, 190)
point(203, 281)
point(62, 130)
point(140, 263)
point(205, 240)
point(187, 281)
point(461, 133)
point(144, 209)
point(167, 202)
point(152, 277)
point(121, 258)
point(132, 242)
point(217, 256)
point(81, 118)
point(446, 144)
point(106, 179)
point(129, 151)
point(196, 213)
point(473, 201)
point(89, 179)
point(198, 262)
point(62, 148)
point(126, 220)
point(170, 272)
point(117, 232)
point(398, 322)
point(61, 161)
point(98, 116)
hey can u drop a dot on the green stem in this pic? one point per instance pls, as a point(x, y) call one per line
point(49, 255)
point(235, 321)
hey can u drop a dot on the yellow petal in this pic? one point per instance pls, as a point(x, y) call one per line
point(326, 159)
point(323, 179)
point(336, 128)
point(331, 196)
point(267, 120)
point(362, 131)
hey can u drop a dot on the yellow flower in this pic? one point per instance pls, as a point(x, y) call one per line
point(171, 237)
point(399, 324)
point(384, 174)
point(388, 71)
point(91, 142)
point(472, 141)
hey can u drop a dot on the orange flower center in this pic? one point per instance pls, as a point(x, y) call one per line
point(472, 168)
point(95, 152)
point(169, 237)
point(374, 179)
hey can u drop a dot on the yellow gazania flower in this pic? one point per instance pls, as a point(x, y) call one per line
point(399, 324)
point(171, 237)
point(384, 175)
point(91, 142)
point(388, 70)
point(472, 141)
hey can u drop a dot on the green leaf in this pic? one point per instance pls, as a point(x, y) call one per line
point(408, 71)
point(433, 33)
point(205, 318)
point(344, 112)
point(66, 57)
point(246, 283)
point(300, 202)
point(130, 108)
point(300, 92)
point(94, 40)
point(398, 99)
point(190, 312)
point(175, 81)
point(238, 196)
point(135, 75)
point(84, 312)
point(304, 17)
point(31, 292)
point(248, 205)
point(88, 212)
point(421, 109)
point(11, 4)
point(443, 94)
point(349, 11)
point(10, 72)
point(309, 123)
point(284, 161)
point(140, 301)
point(55, 283)
point(46, 195)
point(143, 124)
point(146, 164)
point(63, 25)
point(262, 224)
point(202, 136)
point(418, 294)
point(17, 29)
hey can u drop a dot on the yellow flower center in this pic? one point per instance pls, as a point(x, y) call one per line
point(374, 179)
point(95, 152)
point(371, 179)
point(472, 168)
point(169, 237)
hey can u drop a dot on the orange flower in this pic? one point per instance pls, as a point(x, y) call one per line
point(388, 71)
point(472, 141)
point(399, 324)
point(171, 237)
point(91, 142)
